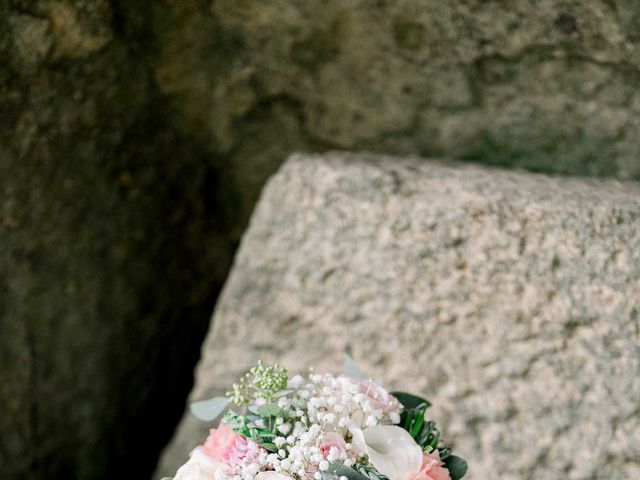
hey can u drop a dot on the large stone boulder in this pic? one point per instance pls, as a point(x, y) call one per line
point(512, 300)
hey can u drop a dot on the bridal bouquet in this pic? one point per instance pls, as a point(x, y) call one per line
point(318, 427)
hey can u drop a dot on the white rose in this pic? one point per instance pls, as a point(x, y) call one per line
point(199, 467)
point(391, 450)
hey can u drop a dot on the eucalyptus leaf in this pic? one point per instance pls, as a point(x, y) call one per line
point(371, 473)
point(207, 410)
point(352, 370)
point(408, 400)
point(341, 470)
point(270, 411)
point(457, 467)
point(253, 409)
point(282, 393)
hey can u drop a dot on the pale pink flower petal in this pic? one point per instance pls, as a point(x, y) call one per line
point(432, 468)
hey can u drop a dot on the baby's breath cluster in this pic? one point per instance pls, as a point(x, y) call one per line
point(306, 429)
point(340, 403)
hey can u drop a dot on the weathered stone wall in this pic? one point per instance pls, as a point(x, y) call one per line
point(547, 85)
point(511, 300)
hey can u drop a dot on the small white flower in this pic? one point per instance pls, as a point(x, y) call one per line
point(304, 394)
point(295, 382)
point(329, 418)
point(272, 476)
point(343, 422)
point(324, 465)
point(284, 428)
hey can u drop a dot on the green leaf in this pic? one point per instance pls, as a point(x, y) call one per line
point(457, 467)
point(433, 443)
point(370, 472)
point(269, 446)
point(422, 440)
point(270, 411)
point(352, 370)
point(341, 470)
point(253, 409)
point(408, 400)
point(416, 428)
point(208, 410)
point(282, 393)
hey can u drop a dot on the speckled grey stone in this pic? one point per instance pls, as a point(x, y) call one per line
point(509, 299)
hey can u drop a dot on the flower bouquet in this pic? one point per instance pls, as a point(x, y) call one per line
point(318, 427)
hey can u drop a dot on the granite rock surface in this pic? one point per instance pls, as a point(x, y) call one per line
point(511, 300)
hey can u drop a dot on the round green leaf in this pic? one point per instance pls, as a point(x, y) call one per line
point(269, 411)
point(457, 467)
point(207, 410)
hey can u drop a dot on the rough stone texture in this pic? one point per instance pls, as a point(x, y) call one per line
point(547, 85)
point(112, 243)
point(512, 300)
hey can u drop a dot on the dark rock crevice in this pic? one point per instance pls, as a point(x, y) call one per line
point(113, 248)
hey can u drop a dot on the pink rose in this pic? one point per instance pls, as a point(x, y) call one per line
point(332, 440)
point(220, 442)
point(225, 445)
point(432, 468)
